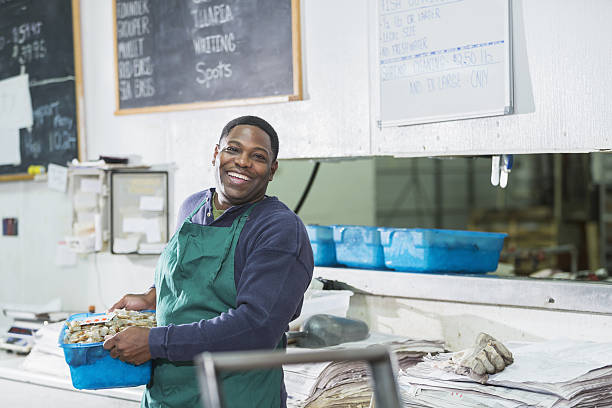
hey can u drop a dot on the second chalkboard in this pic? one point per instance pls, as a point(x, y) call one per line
point(186, 54)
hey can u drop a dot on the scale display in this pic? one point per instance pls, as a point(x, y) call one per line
point(18, 339)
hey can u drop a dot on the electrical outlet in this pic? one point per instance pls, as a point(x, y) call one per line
point(9, 226)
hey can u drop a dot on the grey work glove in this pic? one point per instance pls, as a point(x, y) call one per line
point(488, 356)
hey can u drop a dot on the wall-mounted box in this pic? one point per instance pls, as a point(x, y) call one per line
point(139, 211)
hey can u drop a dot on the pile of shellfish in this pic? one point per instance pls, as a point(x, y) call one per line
point(94, 333)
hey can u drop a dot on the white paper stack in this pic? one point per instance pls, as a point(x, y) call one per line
point(46, 355)
point(556, 373)
point(344, 384)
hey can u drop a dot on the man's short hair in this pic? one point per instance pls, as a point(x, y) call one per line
point(254, 121)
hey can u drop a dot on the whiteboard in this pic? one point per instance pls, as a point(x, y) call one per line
point(443, 60)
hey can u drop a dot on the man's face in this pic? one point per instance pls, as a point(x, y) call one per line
point(244, 166)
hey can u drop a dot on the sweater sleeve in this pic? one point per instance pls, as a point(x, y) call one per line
point(270, 291)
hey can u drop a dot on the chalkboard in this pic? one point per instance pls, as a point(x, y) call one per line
point(187, 54)
point(443, 60)
point(41, 39)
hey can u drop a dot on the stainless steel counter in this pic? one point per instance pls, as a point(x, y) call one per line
point(559, 295)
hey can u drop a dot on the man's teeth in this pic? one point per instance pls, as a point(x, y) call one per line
point(240, 176)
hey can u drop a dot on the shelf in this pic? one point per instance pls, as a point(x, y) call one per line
point(592, 297)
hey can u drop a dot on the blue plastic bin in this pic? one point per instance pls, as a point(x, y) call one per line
point(322, 243)
point(359, 246)
point(92, 367)
point(436, 250)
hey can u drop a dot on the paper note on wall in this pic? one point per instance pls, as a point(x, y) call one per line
point(57, 177)
point(151, 203)
point(153, 230)
point(91, 185)
point(151, 227)
point(9, 140)
point(134, 224)
point(126, 245)
point(15, 102)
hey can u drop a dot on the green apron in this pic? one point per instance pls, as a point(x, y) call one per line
point(194, 280)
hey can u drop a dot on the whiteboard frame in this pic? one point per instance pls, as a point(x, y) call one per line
point(375, 84)
point(297, 95)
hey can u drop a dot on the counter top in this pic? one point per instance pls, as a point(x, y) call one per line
point(548, 294)
point(10, 369)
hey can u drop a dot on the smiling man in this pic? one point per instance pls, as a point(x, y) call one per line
point(231, 278)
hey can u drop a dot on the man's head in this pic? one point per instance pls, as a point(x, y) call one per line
point(253, 121)
point(245, 161)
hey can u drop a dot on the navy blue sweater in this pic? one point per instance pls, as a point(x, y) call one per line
point(273, 266)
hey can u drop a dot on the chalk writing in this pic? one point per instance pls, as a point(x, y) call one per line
point(205, 16)
point(214, 44)
point(43, 112)
point(212, 15)
point(135, 68)
point(206, 75)
point(33, 146)
point(134, 27)
point(135, 8)
point(61, 134)
point(24, 32)
point(27, 42)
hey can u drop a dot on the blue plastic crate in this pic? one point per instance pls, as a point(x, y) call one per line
point(436, 250)
point(322, 243)
point(92, 367)
point(359, 246)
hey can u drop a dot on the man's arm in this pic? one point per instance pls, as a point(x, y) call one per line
point(277, 272)
point(264, 308)
point(140, 301)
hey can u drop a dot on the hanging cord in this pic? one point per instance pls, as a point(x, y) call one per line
point(313, 175)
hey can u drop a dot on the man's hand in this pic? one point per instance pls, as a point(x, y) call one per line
point(489, 356)
point(130, 346)
point(141, 301)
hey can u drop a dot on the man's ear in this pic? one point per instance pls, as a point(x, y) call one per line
point(215, 154)
point(273, 169)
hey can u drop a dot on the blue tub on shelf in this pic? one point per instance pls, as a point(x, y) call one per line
point(437, 250)
point(92, 367)
point(322, 243)
point(359, 246)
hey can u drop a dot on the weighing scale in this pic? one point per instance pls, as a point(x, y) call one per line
point(19, 338)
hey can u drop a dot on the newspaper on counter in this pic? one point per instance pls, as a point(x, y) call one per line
point(346, 383)
point(551, 374)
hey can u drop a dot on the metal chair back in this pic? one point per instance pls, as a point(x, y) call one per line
point(382, 362)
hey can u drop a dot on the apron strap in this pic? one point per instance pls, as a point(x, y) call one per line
point(197, 209)
point(238, 224)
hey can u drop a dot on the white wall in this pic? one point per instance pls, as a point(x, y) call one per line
point(27, 271)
